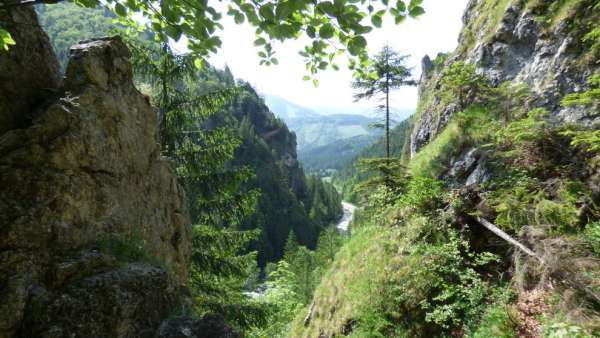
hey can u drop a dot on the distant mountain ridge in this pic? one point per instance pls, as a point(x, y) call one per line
point(316, 129)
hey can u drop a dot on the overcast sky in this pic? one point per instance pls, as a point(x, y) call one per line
point(436, 31)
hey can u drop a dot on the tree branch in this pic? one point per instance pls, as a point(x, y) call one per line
point(507, 238)
point(27, 3)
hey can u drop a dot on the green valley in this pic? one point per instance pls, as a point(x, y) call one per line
point(152, 185)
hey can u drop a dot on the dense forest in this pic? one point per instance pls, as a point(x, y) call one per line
point(147, 193)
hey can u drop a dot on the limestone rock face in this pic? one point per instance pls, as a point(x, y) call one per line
point(94, 230)
point(30, 70)
point(521, 48)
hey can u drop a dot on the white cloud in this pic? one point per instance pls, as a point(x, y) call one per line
point(436, 31)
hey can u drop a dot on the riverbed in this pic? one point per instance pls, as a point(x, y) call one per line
point(343, 224)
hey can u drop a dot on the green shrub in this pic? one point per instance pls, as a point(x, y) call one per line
point(522, 200)
point(563, 330)
point(495, 322)
point(592, 237)
point(513, 200)
point(423, 194)
point(589, 97)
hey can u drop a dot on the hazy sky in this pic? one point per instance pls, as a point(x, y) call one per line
point(436, 31)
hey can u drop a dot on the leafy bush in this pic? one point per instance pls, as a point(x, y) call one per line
point(496, 322)
point(457, 290)
point(522, 200)
point(563, 330)
point(423, 194)
point(592, 236)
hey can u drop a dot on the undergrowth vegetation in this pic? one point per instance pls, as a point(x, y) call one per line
point(419, 263)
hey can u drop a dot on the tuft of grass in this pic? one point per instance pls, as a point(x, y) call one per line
point(469, 128)
point(488, 17)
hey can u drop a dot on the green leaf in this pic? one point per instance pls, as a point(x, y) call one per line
point(414, 3)
point(259, 42)
point(198, 62)
point(120, 10)
point(376, 20)
point(359, 41)
point(326, 31)
point(401, 6)
point(327, 7)
point(5, 39)
point(416, 11)
point(306, 78)
point(274, 61)
point(283, 10)
point(173, 32)
point(310, 31)
point(399, 19)
point(266, 11)
point(238, 18)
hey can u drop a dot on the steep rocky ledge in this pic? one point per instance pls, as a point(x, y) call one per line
point(522, 41)
point(94, 229)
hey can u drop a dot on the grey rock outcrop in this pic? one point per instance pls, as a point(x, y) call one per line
point(94, 230)
point(519, 48)
point(469, 168)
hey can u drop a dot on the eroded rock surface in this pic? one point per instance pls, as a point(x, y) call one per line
point(549, 57)
point(94, 229)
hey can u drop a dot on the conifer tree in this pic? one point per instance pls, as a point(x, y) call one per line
point(219, 268)
point(387, 72)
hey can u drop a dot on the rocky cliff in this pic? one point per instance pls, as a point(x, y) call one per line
point(538, 43)
point(94, 229)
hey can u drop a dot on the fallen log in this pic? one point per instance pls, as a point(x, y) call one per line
point(507, 238)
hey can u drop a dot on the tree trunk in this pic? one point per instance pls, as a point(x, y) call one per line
point(27, 3)
point(507, 238)
point(165, 97)
point(387, 116)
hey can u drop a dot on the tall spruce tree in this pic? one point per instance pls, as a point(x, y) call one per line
point(388, 71)
point(201, 157)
